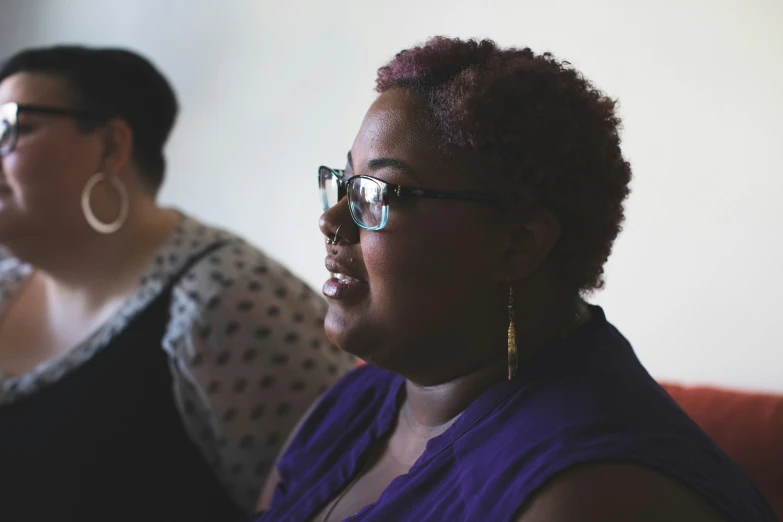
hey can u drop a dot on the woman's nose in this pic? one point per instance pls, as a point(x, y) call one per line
point(339, 217)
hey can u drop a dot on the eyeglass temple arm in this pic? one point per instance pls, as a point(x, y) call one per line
point(413, 192)
point(61, 111)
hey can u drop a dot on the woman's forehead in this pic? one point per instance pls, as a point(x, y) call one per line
point(32, 88)
point(394, 129)
point(391, 129)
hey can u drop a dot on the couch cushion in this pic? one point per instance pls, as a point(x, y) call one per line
point(748, 426)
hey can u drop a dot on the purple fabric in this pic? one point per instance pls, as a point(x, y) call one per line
point(584, 399)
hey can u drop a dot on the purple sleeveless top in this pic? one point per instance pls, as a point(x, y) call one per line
point(584, 399)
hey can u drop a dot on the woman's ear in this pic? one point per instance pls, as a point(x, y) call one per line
point(530, 239)
point(117, 147)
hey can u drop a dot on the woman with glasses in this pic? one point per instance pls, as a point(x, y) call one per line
point(480, 201)
point(147, 361)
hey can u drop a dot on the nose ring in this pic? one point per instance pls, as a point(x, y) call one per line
point(335, 239)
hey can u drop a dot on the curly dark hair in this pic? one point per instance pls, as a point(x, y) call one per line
point(537, 121)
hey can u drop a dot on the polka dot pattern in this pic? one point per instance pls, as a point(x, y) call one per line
point(246, 343)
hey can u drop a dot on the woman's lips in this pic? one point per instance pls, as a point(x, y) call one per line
point(341, 286)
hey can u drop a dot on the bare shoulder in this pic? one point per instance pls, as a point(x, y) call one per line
point(615, 492)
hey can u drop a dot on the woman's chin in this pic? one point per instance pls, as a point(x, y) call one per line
point(349, 333)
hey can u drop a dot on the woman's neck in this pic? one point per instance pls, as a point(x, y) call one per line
point(432, 407)
point(98, 267)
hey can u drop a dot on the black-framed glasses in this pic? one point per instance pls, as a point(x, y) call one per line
point(9, 120)
point(368, 197)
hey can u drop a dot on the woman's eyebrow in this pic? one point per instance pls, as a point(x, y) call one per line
point(382, 163)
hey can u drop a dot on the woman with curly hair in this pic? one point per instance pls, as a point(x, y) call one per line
point(480, 202)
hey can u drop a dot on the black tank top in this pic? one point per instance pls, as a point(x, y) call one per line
point(106, 442)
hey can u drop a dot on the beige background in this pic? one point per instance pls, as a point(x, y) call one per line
point(270, 90)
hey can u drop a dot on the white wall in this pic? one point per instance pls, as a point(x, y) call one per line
point(270, 90)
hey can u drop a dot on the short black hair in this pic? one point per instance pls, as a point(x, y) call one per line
point(114, 83)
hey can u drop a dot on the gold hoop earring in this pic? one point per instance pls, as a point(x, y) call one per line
point(512, 336)
point(96, 224)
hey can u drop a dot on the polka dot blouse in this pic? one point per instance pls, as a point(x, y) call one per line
point(246, 350)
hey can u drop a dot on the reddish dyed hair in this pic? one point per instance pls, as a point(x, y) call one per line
point(540, 123)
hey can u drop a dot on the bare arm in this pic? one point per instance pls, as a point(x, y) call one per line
point(614, 492)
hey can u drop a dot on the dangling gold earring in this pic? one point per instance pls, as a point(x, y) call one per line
point(512, 336)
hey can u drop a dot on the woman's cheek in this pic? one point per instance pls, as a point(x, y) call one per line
point(398, 258)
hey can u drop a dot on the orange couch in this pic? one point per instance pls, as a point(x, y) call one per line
point(748, 426)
